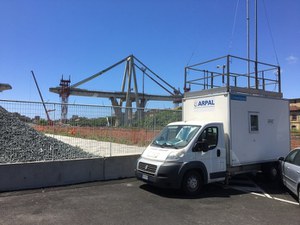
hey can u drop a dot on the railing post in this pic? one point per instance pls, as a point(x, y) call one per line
point(263, 80)
point(279, 79)
point(228, 72)
point(185, 74)
point(256, 75)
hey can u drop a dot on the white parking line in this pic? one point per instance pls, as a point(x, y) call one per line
point(270, 197)
point(278, 199)
point(258, 191)
point(287, 201)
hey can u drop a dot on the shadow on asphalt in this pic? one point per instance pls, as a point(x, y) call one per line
point(272, 187)
point(208, 191)
point(222, 190)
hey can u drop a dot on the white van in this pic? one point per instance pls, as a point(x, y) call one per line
point(225, 131)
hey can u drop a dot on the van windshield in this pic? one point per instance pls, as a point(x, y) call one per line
point(176, 136)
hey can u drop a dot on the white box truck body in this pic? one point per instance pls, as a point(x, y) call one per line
point(224, 132)
point(256, 128)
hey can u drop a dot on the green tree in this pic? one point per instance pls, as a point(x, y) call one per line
point(159, 119)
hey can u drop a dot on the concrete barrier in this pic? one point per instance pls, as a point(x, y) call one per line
point(57, 173)
point(119, 167)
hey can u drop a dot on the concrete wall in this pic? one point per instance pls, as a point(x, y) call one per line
point(58, 173)
point(119, 167)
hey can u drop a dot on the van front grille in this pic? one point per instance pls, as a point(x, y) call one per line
point(148, 168)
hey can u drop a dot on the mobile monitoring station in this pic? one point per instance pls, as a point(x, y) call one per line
point(238, 122)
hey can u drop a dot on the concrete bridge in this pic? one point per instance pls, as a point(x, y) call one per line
point(129, 91)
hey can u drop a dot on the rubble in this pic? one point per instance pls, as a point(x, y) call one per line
point(21, 143)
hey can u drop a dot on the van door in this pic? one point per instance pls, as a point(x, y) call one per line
point(214, 157)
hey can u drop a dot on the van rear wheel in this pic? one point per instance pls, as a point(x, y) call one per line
point(192, 183)
point(271, 171)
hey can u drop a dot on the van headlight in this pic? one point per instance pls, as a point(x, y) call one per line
point(175, 155)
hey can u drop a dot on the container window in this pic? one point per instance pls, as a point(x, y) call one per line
point(253, 122)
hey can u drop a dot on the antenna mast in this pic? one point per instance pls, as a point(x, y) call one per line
point(256, 57)
point(248, 44)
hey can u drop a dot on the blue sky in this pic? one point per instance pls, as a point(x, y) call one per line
point(82, 37)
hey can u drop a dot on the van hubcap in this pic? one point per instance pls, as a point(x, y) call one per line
point(192, 183)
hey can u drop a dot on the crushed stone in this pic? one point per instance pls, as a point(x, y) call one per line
point(19, 142)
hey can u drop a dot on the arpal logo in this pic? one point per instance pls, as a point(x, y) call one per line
point(204, 103)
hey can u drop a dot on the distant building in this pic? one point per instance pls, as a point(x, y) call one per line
point(295, 114)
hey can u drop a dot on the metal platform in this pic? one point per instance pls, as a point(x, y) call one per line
point(233, 74)
point(233, 90)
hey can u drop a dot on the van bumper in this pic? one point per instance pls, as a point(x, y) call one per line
point(167, 176)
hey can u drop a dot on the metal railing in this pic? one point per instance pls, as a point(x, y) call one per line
point(89, 131)
point(233, 71)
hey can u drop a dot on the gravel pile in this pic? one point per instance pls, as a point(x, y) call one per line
point(21, 143)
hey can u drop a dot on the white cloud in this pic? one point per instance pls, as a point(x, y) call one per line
point(292, 59)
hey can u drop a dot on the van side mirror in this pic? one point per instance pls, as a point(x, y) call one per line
point(200, 146)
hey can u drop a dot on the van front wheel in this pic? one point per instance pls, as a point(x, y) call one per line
point(192, 183)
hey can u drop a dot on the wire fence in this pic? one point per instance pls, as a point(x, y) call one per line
point(27, 133)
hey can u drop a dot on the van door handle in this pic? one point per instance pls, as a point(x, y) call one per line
point(218, 153)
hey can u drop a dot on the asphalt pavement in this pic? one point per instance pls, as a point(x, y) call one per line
point(246, 200)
